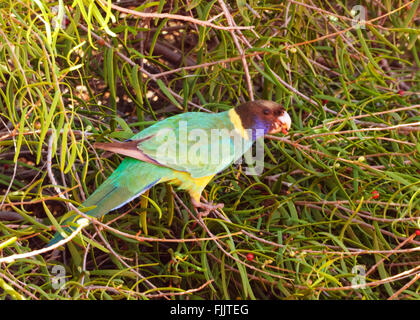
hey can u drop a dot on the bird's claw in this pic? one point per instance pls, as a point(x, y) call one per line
point(206, 207)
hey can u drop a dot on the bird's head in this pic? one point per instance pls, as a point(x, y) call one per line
point(263, 114)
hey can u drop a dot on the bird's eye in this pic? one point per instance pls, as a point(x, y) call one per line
point(266, 111)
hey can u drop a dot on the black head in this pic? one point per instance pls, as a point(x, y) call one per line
point(263, 114)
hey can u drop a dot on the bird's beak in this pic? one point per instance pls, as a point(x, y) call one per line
point(282, 124)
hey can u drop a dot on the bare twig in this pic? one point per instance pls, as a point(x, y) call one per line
point(373, 268)
point(232, 24)
point(398, 126)
point(172, 16)
point(144, 71)
point(405, 287)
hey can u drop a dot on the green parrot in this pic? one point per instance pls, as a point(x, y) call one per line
point(186, 150)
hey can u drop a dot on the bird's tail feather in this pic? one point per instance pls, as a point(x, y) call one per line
point(127, 182)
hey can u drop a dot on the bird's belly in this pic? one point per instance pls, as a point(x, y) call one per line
point(185, 181)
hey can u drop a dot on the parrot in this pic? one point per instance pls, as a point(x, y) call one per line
point(186, 150)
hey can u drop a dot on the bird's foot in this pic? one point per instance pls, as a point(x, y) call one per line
point(206, 207)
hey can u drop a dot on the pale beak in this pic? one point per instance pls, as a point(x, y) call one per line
point(282, 124)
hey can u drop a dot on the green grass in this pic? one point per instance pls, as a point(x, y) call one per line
point(339, 195)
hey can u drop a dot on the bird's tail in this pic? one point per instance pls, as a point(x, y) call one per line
point(128, 181)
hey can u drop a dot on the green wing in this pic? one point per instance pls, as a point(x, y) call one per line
point(195, 142)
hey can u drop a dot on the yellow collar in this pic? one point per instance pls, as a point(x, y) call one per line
point(237, 123)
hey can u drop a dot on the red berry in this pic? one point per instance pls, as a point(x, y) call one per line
point(401, 92)
point(250, 256)
point(375, 194)
point(101, 42)
point(418, 232)
point(324, 101)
